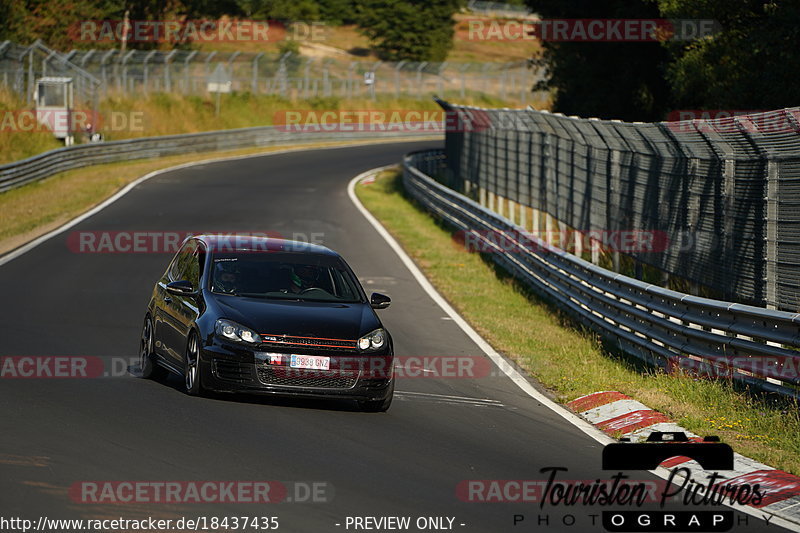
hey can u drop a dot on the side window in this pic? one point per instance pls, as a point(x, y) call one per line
point(173, 268)
point(182, 263)
point(193, 266)
point(201, 262)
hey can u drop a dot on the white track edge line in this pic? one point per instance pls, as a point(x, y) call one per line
point(27, 247)
point(504, 365)
point(499, 360)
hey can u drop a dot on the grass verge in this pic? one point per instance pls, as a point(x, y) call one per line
point(148, 115)
point(36, 208)
point(566, 359)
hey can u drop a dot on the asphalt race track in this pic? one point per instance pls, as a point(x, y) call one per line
point(407, 462)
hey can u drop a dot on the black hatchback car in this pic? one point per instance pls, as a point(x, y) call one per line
point(254, 314)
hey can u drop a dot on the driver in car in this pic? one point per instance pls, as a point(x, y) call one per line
point(303, 277)
point(225, 278)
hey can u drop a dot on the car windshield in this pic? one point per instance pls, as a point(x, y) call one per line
point(287, 276)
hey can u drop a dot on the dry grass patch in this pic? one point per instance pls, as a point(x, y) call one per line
point(168, 114)
point(569, 360)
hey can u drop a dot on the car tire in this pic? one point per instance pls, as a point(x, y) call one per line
point(378, 406)
point(147, 364)
point(192, 375)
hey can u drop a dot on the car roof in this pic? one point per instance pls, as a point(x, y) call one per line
point(243, 242)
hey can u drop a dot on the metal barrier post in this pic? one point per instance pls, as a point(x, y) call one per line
point(254, 81)
point(771, 238)
point(186, 82)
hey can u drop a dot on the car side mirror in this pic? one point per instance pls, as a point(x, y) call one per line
point(379, 301)
point(181, 288)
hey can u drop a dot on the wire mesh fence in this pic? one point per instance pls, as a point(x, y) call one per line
point(674, 331)
point(716, 200)
point(289, 75)
point(21, 66)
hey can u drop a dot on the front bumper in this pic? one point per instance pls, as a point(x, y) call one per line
point(227, 368)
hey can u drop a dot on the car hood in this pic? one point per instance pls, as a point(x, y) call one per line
point(302, 319)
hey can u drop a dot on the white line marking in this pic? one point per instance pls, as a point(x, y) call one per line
point(507, 368)
point(449, 397)
point(498, 359)
point(421, 369)
point(443, 398)
point(125, 190)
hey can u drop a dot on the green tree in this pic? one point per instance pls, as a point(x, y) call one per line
point(338, 11)
point(55, 22)
point(751, 63)
point(414, 30)
point(12, 15)
point(285, 10)
point(615, 80)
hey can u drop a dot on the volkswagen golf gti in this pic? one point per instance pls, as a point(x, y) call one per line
point(268, 316)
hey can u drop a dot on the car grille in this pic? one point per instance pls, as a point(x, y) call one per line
point(233, 371)
point(307, 342)
point(294, 377)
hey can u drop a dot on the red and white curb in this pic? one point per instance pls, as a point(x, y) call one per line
point(621, 416)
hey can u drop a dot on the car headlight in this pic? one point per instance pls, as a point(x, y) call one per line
point(230, 330)
point(372, 341)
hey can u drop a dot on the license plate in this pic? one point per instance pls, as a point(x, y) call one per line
point(310, 362)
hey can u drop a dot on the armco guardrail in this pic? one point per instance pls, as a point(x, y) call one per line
point(665, 328)
point(49, 163)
